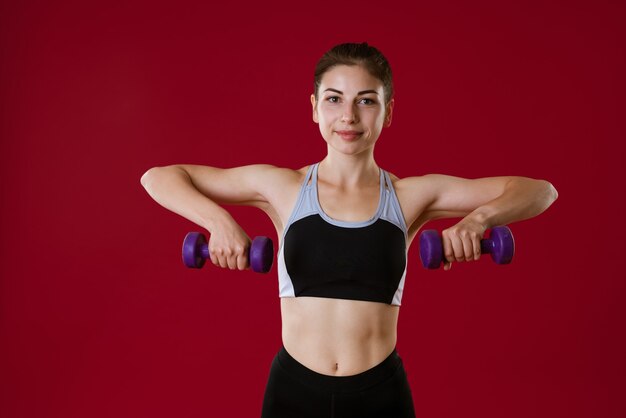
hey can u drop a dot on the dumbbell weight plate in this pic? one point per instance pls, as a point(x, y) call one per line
point(431, 249)
point(192, 250)
point(503, 245)
point(261, 254)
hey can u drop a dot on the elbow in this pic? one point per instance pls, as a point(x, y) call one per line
point(147, 177)
point(549, 192)
point(156, 175)
point(152, 176)
point(552, 192)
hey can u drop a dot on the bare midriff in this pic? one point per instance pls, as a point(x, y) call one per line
point(338, 337)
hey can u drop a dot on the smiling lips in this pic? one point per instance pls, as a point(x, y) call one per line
point(349, 135)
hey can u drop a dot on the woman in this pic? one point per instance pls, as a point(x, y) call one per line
point(345, 228)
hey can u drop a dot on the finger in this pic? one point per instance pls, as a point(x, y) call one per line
point(241, 257)
point(242, 262)
point(223, 260)
point(457, 249)
point(233, 257)
point(232, 261)
point(476, 245)
point(468, 248)
point(448, 252)
point(213, 257)
point(447, 265)
point(217, 256)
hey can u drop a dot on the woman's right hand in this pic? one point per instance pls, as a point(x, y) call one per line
point(229, 245)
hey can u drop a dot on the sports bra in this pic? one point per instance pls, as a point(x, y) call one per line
point(324, 257)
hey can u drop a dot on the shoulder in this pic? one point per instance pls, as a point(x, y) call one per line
point(258, 173)
point(279, 187)
point(273, 175)
point(275, 182)
point(417, 194)
point(424, 183)
point(432, 188)
point(254, 184)
point(427, 184)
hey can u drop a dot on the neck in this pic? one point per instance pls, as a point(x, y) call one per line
point(349, 170)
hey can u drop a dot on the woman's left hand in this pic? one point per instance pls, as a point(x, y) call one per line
point(461, 242)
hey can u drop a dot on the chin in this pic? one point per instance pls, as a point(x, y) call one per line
point(350, 149)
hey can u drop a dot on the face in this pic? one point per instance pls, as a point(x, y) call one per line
point(350, 109)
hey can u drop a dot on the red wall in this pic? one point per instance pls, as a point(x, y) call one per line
point(98, 317)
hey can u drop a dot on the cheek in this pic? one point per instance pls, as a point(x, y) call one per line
point(381, 116)
point(325, 112)
point(326, 118)
point(374, 117)
point(330, 108)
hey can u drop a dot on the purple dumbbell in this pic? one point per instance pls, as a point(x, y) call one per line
point(500, 245)
point(196, 251)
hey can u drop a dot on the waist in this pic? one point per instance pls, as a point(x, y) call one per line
point(340, 384)
point(338, 337)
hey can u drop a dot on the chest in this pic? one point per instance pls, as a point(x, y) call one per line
point(346, 205)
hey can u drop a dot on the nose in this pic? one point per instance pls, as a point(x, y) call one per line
point(349, 114)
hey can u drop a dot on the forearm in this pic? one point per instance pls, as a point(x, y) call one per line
point(173, 189)
point(522, 198)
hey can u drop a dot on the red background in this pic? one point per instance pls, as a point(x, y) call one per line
point(98, 317)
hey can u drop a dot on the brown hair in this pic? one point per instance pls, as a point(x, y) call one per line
point(356, 54)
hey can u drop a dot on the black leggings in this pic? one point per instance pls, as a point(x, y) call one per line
point(294, 391)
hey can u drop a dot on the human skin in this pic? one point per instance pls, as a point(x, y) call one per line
point(335, 336)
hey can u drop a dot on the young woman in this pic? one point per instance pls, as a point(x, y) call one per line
point(345, 226)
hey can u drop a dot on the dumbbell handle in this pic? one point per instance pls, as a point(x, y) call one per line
point(204, 251)
point(487, 246)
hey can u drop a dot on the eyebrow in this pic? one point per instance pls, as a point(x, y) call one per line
point(358, 94)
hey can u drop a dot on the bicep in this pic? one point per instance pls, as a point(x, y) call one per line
point(238, 186)
point(453, 197)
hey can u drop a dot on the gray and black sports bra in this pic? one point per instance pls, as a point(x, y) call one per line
point(323, 257)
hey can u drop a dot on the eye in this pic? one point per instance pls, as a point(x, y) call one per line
point(333, 99)
point(367, 101)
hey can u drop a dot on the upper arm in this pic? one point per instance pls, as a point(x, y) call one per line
point(435, 196)
point(456, 197)
point(250, 185)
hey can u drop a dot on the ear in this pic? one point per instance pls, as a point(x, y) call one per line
point(388, 114)
point(313, 104)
